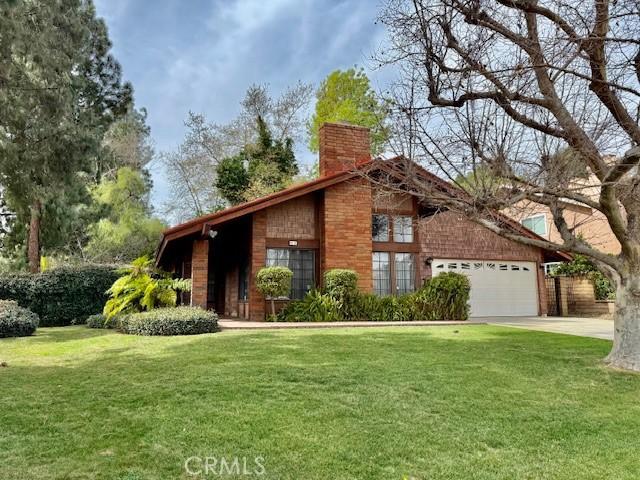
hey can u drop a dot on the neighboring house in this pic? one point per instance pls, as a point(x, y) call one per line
point(341, 220)
point(589, 224)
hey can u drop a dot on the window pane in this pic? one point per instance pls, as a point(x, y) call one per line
point(403, 229)
point(380, 228)
point(381, 273)
point(300, 262)
point(405, 273)
point(536, 224)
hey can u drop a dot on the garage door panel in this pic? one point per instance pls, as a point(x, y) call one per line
point(498, 288)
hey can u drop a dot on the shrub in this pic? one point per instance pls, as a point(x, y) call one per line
point(582, 265)
point(171, 321)
point(143, 287)
point(445, 297)
point(101, 321)
point(60, 296)
point(16, 321)
point(314, 307)
point(274, 282)
point(341, 283)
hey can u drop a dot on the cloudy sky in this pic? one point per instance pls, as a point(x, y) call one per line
point(201, 55)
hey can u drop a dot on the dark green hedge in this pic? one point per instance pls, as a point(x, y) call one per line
point(61, 296)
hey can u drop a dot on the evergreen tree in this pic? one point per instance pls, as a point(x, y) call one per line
point(60, 89)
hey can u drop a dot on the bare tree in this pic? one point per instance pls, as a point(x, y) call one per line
point(192, 167)
point(539, 94)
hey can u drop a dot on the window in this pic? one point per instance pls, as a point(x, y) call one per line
point(536, 223)
point(393, 273)
point(381, 273)
point(300, 262)
point(380, 228)
point(405, 273)
point(403, 229)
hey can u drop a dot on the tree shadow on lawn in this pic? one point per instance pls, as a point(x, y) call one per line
point(370, 401)
point(67, 334)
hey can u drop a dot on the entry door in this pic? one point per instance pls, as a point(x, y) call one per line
point(498, 288)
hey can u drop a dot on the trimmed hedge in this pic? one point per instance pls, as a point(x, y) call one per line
point(171, 321)
point(62, 296)
point(16, 321)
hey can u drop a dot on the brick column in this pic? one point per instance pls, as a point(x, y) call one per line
point(347, 230)
point(258, 260)
point(199, 273)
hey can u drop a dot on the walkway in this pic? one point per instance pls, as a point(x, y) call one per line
point(580, 326)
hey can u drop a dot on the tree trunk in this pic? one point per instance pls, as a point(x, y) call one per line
point(33, 244)
point(273, 308)
point(625, 353)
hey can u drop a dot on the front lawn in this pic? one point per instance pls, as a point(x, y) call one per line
point(449, 402)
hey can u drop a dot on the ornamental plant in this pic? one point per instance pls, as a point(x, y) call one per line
point(274, 282)
point(141, 287)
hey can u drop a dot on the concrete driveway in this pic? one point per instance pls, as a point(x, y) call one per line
point(580, 326)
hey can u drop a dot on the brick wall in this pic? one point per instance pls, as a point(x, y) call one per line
point(258, 260)
point(199, 272)
point(342, 147)
point(295, 219)
point(346, 225)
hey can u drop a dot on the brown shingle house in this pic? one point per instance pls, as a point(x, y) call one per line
point(342, 220)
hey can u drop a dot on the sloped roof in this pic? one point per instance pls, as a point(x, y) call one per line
point(200, 224)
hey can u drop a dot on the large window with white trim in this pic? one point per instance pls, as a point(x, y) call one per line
point(300, 262)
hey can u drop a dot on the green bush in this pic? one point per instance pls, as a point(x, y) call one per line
point(61, 296)
point(582, 265)
point(314, 307)
point(171, 321)
point(16, 321)
point(101, 321)
point(274, 282)
point(445, 297)
point(142, 286)
point(341, 283)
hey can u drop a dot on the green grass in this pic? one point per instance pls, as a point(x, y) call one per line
point(466, 402)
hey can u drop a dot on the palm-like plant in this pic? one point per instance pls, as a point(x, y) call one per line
point(142, 286)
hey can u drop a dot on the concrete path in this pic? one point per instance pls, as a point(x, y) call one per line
point(580, 326)
point(232, 324)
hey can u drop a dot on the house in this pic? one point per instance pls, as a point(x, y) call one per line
point(590, 224)
point(343, 220)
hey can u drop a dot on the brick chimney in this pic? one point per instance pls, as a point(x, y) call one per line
point(343, 147)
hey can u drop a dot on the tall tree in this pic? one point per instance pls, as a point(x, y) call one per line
point(347, 96)
point(261, 168)
point(193, 168)
point(126, 230)
point(529, 90)
point(60, 89)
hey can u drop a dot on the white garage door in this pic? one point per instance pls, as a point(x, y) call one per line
point(498, 288)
